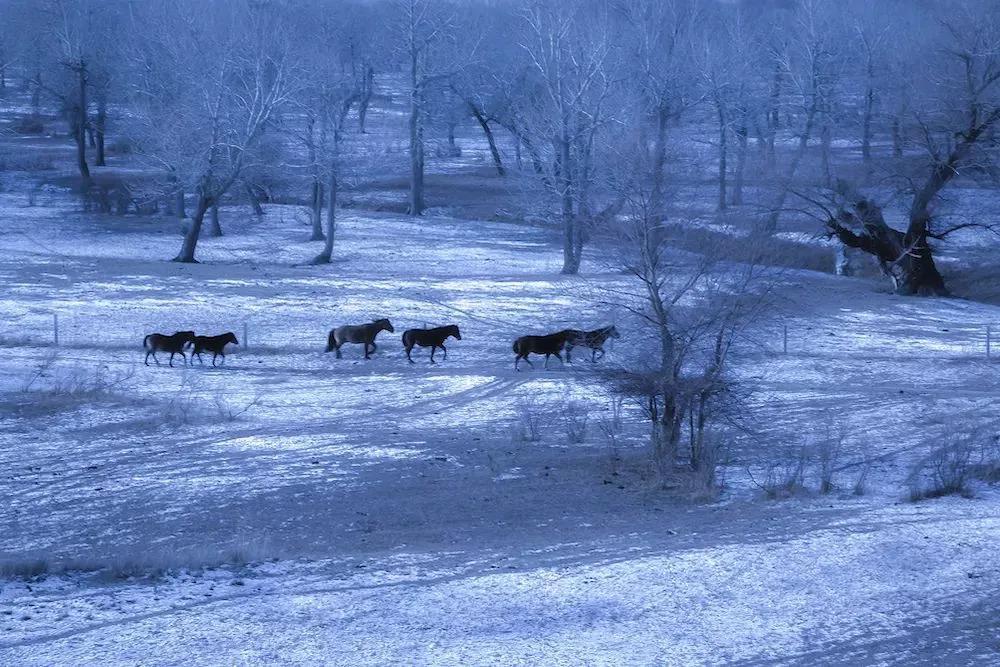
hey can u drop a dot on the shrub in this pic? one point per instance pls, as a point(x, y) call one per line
point(575, 417)
point(528, 422)
point(945, 471)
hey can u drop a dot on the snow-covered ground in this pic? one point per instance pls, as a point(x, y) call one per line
point(292, 508)
point(295, 508)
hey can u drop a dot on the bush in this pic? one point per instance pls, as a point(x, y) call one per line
point(28, 125)
point(947, 470)
point(785, 475)
point(528, 422)
point(575, 417)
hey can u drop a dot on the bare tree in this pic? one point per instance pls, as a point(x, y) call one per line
point(957, 129)
point(206, 95)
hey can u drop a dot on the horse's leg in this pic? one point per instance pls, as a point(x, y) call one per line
point(569, 349)
point(366, 350)
point(409, 349)
point(172, 359)
point(374, 346)
point(445, 351)
point(214, 355)
point(146, 360)
point(433, 349)
point(184, 357)
point(155, 359)
point(546, 365)
point(337, 350)
point(559, 357)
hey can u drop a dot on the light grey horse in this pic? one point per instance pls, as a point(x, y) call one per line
point(357, 333)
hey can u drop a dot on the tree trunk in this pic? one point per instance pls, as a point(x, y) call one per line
point(331, 220)
point(80, 126)
point(179, 202)
point(316, 213)
point(723, 142)
point(214, 229)
point(490, 139)
point(659, 158)
point(826, 139)
point(416, 142)
point(571, 257)
point(366, 97)
point(99, 127)
point(254, 200)
point(186, 255)
point(897, 138)
point(866, 131)
point(741, 160)
point(793, 167)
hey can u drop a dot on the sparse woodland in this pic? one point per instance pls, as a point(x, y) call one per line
point(780, 218)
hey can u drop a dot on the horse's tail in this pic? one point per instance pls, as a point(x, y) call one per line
point(517, 346)
point(145, 342)
point(407, 337)
point(331, 340)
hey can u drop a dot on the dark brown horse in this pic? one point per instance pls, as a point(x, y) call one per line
point(593, 339)
point(549, 345)
point(432, 338)
point(174, 344)
point(357, 333)
point(214, 344)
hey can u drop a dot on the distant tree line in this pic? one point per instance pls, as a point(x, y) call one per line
point(221, 97)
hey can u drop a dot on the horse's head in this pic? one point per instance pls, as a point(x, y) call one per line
point(453, 331)
point(384, 325)
point(231, 338)
point(185, 335)
point(613, 332)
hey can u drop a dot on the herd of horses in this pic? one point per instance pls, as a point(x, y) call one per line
point(550, 345)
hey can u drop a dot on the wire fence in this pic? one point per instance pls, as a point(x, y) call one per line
point(286, 330)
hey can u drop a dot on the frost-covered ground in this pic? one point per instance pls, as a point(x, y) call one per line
point(291, 508)
point(294, 508)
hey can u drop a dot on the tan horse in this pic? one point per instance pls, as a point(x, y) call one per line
point(357, 333)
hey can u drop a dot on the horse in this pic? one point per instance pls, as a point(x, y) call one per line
point(432, 338)
point(549, 345)
point(214, 344)
point(357, 333)
point(593, 339)
point(174, 344)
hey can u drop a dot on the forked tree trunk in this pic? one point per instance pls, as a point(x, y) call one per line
point(254, 200)
point(490, 139)
point(186, 254)
point(331, 220)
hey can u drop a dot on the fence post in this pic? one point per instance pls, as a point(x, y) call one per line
point(988, 341)
point(55, 328)
point(246, 339)
point(784, 338)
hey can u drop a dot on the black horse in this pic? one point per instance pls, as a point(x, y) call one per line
point(549, 345)
point(432, 338)
point(214, 344)
point(593, 339)
point(174, 344)
point(357, 333)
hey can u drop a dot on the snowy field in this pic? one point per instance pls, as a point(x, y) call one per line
point(294, 508)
